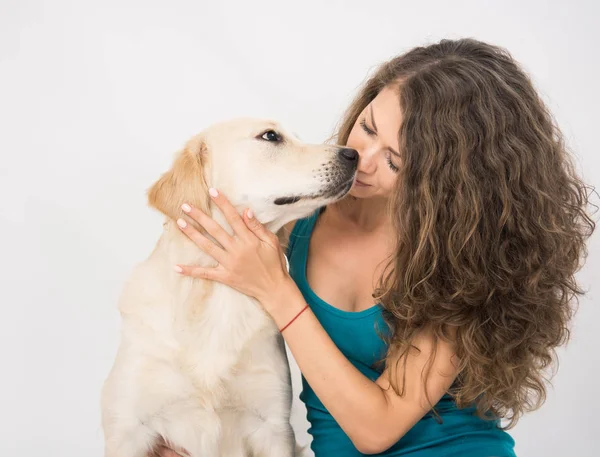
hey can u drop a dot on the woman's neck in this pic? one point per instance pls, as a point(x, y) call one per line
point(363, 215)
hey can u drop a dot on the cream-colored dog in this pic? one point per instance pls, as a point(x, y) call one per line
point(201, 366)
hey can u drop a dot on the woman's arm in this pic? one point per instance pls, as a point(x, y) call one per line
point(371, 413)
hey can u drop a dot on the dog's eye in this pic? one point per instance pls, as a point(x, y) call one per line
point(271, 135)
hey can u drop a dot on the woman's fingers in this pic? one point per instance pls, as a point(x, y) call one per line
point(166, 452)
point(206, 245)
point(260, 230)
point(231, 215)
point(195, 271)
point(209, 224)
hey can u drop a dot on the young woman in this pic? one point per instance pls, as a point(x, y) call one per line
point(425, 307)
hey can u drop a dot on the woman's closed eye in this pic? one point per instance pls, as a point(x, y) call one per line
point(367, 130)
point(393, 167)
point(371, 132)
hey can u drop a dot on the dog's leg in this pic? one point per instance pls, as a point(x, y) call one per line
point(134, 442)
point(124, 434)
point(265, 393)
point(271, 439)
point(195, 430)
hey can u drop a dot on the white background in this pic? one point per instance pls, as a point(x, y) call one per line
point(95, 97)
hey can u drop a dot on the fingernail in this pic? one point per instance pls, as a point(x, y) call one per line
point(250, 214)
point(178, 269)
point(181, 223)
point(213, 192)
point(187, 208)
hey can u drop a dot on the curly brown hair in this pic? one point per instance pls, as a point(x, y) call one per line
point(491, 222)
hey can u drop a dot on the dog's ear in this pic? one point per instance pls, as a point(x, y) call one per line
point(183, 183)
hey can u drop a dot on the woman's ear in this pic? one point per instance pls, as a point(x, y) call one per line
point(183, 183)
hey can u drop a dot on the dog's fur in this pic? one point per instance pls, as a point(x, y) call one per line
point(201, 366)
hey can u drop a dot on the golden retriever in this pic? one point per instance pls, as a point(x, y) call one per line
point(200, 365)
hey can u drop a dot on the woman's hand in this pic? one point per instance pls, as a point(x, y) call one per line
point(164, 450)
point(251, 261)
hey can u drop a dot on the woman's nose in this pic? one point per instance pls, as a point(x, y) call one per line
point(366, 160)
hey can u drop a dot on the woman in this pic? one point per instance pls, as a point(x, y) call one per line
point(424, 308)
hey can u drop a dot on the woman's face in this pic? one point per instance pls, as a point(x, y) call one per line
point(375, 137)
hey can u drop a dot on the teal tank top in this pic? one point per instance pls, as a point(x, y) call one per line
point(460, 434)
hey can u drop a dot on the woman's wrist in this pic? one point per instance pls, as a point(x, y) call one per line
point(284, 302)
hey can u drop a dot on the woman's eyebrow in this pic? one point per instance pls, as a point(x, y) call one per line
point(375, 130)
point(373, 119)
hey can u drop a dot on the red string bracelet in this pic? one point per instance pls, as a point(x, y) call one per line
point(295, 317)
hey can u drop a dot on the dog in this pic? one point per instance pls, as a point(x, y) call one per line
point(201, 366)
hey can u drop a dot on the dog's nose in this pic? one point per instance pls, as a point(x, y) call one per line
point(348, 154)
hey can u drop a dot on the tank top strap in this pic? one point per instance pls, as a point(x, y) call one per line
point(301, 232)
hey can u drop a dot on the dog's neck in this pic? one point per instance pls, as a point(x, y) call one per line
point(177, 248)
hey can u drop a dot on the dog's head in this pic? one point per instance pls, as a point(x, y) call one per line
point(259, 165)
